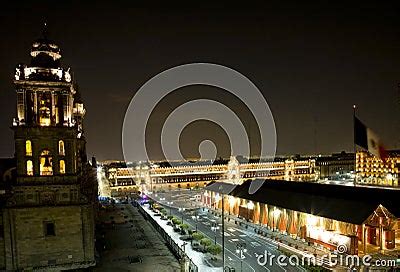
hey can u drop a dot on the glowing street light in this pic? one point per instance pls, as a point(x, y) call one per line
point(215, 228)
point(182, 210)
point(240, 249)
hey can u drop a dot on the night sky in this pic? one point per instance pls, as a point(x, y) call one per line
point(312, 63)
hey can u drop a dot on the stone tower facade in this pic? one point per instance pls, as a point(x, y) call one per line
point(48, 219)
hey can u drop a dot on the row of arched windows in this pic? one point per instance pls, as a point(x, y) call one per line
point(28, 148)
point(46, 166)
point(45, 160)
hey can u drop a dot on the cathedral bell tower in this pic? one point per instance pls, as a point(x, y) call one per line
point(48, 128)
point(50, 215)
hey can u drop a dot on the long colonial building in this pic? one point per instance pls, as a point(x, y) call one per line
point(47, 213)
point(363, 219)
point(156, 177)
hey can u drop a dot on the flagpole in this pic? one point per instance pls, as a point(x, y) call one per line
point(354, 145)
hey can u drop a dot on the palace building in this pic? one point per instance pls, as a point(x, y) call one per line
point(371, 170)
point(47, 214)
point(156, 177)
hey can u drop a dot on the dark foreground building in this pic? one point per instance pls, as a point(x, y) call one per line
point(47, 213)
point(364, 219)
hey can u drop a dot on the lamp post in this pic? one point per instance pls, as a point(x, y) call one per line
point(196, 217)
point(182, 210)
point(240, 249)
point(215, 228)
point(170, 206)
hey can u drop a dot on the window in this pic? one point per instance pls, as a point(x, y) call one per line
point(62, 167)
point(61, 149)
point(46, 163)
point(29, 168)
point(28, 148)
point(44, 109)
point(74, 194)
point(49, 229)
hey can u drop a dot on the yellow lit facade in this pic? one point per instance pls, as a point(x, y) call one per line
point(368, 237)
point(374, 171)
point(186, 176)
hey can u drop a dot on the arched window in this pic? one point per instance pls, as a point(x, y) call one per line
point(28, 148)
point(46, 163)
point(29, 168)
point(62, 167)
point(44, 109)
point(61, 149)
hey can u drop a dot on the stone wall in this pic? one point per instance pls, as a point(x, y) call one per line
point(27, 246)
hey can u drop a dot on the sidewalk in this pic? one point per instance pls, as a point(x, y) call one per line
point(196, 257)
point(132, 244)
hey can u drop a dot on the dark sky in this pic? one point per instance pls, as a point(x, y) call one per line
point(312, 63)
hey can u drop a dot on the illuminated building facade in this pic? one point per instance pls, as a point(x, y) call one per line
point(335, 166)
point(374, 171)
point(365, 220)
point(48, 218)
point(156, 177)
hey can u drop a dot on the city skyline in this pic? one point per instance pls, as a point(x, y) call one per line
point(298, 56)
point(203, 138)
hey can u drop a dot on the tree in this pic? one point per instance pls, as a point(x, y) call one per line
point(214, 249)
point(205, 242)
point(170, 217)
point(184, 226)
point(197, 236)
point(176, 221)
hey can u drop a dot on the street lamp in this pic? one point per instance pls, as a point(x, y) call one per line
point(182, 210)
point(240, 249)
point(170, 206)
point(217, 199)
point(196, 217)
point(215, 228)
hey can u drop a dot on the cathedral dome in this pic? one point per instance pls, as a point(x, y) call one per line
point(45, 53)
point(45, 62)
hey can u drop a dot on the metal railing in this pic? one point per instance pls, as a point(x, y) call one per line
point(174, 247)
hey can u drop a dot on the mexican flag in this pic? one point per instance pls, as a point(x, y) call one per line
point(367, 139)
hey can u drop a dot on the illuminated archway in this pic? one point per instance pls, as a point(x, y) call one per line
point(46, 163)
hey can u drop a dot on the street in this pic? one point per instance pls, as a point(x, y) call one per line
point(182, 204)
